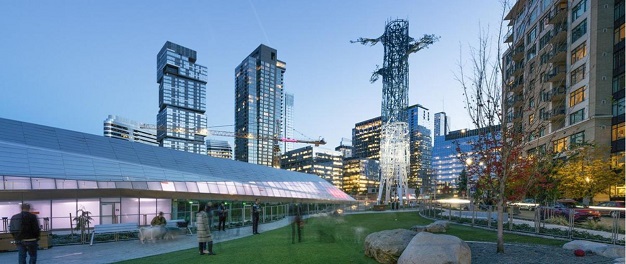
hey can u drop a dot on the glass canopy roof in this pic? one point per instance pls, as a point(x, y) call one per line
point(35, 157)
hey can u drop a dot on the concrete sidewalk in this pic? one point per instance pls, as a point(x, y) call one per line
point(110, 252)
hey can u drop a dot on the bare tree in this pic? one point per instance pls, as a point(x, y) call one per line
point(497, 154)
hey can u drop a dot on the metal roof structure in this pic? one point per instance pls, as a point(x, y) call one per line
point(41, 161)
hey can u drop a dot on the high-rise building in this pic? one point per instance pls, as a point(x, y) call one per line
point(345, 147)
point(313, 160)
point(560, 80)
point(126, 129)
point(181, 123)
point(361, 176)
point(617, 120)
point(288, 122)
point(441, 124)
point(420, 146)
point(219, 149)
point(258, 106)
point(366, 139)
point(446, 165)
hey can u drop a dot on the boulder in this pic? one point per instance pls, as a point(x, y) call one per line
point(610, 251)
point(438, 226)
point(428, 248)
point(386, 246)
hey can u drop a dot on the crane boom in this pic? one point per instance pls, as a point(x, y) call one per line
point(222, 133)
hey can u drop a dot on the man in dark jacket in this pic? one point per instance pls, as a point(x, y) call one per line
point(25, 230)
point(256, 211)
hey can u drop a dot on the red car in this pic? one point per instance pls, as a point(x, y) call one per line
point(612, 210)
point(564, 207)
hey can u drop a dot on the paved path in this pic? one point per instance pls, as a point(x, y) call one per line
point(124, 250)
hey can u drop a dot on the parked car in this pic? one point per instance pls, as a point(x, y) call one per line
point(611, 208)
point(564, 207)
point(527, 204)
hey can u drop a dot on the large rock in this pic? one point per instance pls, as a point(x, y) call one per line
point(428, 248)
point(610, 251)
point(386, 246)
point(438, 226)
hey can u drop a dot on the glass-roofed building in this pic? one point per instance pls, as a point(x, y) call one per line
point(60, 172)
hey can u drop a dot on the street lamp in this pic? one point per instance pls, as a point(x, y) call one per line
point(468, 162)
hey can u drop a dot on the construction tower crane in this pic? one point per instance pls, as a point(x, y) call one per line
point(276, 150)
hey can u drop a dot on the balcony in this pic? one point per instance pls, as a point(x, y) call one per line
point(518, 53)
point(556, 75)
point(557, 114)
point(558, 54)
point(559, 33)
point(518, 83)
point(518, 68)
point(508, 38)
point(557, 94)
point(559, 12)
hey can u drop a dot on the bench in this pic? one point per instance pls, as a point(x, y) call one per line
point(113, 228)
point(178, 224)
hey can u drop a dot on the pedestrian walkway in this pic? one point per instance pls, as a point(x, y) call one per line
point(124, 250)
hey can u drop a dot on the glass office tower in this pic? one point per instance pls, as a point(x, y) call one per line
point(258, 107)
point(288, 122)
point(420, 146)
point(181, 123)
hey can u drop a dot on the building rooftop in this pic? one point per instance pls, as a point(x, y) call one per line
point(36, 157)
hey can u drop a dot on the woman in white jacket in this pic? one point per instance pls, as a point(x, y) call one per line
point(204, 232)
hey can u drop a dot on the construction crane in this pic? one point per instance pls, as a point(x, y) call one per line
point(276, 149)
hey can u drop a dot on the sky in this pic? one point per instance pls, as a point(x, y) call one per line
point(70, 64)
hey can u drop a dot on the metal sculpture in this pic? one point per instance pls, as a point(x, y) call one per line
point(394, 145)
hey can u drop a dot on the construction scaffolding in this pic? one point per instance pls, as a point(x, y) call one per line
point(394, 145)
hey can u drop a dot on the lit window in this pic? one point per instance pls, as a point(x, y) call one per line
point(617, 131)
point(579, 52)
point(559, 145)
point(577, 96)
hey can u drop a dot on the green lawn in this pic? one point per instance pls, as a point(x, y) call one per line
point(325, 240)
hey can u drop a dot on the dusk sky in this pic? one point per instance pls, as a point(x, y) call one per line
point(69, 64)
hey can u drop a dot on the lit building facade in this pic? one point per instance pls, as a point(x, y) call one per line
point(560, 80)
point(361, 176)
point(126, 129)
point(258, 106)
point(446, 164)
point(288, 122)
point(420, 146)
point(181, 122)
point(219, 149)
point(366, 139)
point(313, 160)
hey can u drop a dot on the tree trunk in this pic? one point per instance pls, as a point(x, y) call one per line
point(500, 242)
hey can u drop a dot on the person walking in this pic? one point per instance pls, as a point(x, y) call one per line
point(210, 212)
point(203, 232)
point(159, 222)
point(25, 230)
point(256, 213)
point(221, 214)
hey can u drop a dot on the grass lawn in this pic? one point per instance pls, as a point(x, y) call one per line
point(325, 240)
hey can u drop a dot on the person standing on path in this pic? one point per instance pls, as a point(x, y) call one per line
point(203, 232)
point(209, 213)
point(256, 213)
point(221, 214)
point(25, 230)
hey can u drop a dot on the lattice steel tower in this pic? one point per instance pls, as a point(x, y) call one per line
point(394, 145)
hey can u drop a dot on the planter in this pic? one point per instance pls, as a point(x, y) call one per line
point(7, 238)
